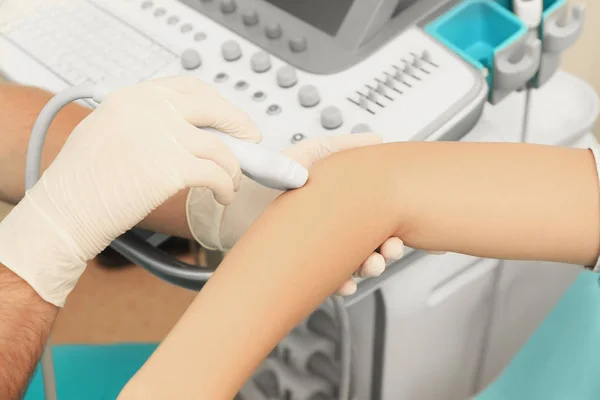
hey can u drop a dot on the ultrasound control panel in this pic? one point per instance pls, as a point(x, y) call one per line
point(408, 87)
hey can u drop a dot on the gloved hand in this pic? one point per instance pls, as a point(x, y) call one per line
point(219, 227)
point(137, 149)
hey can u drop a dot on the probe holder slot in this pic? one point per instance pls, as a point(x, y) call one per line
point(493, 40)
point(562, 25)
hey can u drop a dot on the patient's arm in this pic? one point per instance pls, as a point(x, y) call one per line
point(495, 200)
point(19, 108)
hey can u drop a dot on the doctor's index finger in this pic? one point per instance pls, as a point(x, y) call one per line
point(203, 106)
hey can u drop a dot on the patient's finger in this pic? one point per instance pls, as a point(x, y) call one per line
point(392, 249)
point(348, 288)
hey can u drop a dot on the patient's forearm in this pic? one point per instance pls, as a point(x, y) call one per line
point(510, 201)
point(305, 245)
point(499, 200)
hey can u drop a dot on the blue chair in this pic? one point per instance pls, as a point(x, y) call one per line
point(92, 372)
point(561, 360)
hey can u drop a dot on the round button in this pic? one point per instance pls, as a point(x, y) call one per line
point(160, 12)
point(172, 20)
point(221, 77)
point(298, 45)
point(361, 128)
point(286, 76)
point(146, 4)
point(308, 95)
point(273, 109)
point(259, 96)
point(200, 36)
point(260, 62)
point(297, 137)
point(190, 59)
point(185, 28)
point(273, 31)
point(241, 85)
point(250, 17)
point(331, 117)
point(231, 50)
point(228, 6)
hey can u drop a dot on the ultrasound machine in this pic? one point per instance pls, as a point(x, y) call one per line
point(431, 327)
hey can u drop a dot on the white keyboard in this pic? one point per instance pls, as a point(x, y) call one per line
point(81, 43)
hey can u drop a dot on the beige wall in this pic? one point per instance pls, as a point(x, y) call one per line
point(584, 58)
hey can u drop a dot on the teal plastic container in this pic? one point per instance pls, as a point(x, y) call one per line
point(476, 30)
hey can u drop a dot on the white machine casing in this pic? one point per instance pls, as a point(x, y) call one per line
point(432, 326)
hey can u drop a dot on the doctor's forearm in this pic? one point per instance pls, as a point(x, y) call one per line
point(19, 108)
point(25, 323)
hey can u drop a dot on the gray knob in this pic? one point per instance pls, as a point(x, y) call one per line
point(286, 76)
point(362, 101)
point(308, 95)
point(426, 56)
point(273, 31)
point(250, 17)
point(417, 61)
point(231, 50)
point(372, 95)
point(298, 45)
point(190, 59)
point(361, 128)
point(399, 75)
point(381, 89)
point(260, 62)
point(390, 81)
point(228, 6)
point(409, 69)
point(331, 117)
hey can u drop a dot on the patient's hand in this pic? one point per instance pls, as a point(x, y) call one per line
point(219, 227)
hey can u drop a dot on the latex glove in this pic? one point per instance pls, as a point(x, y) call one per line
point(219, 227)
point(137, 149)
